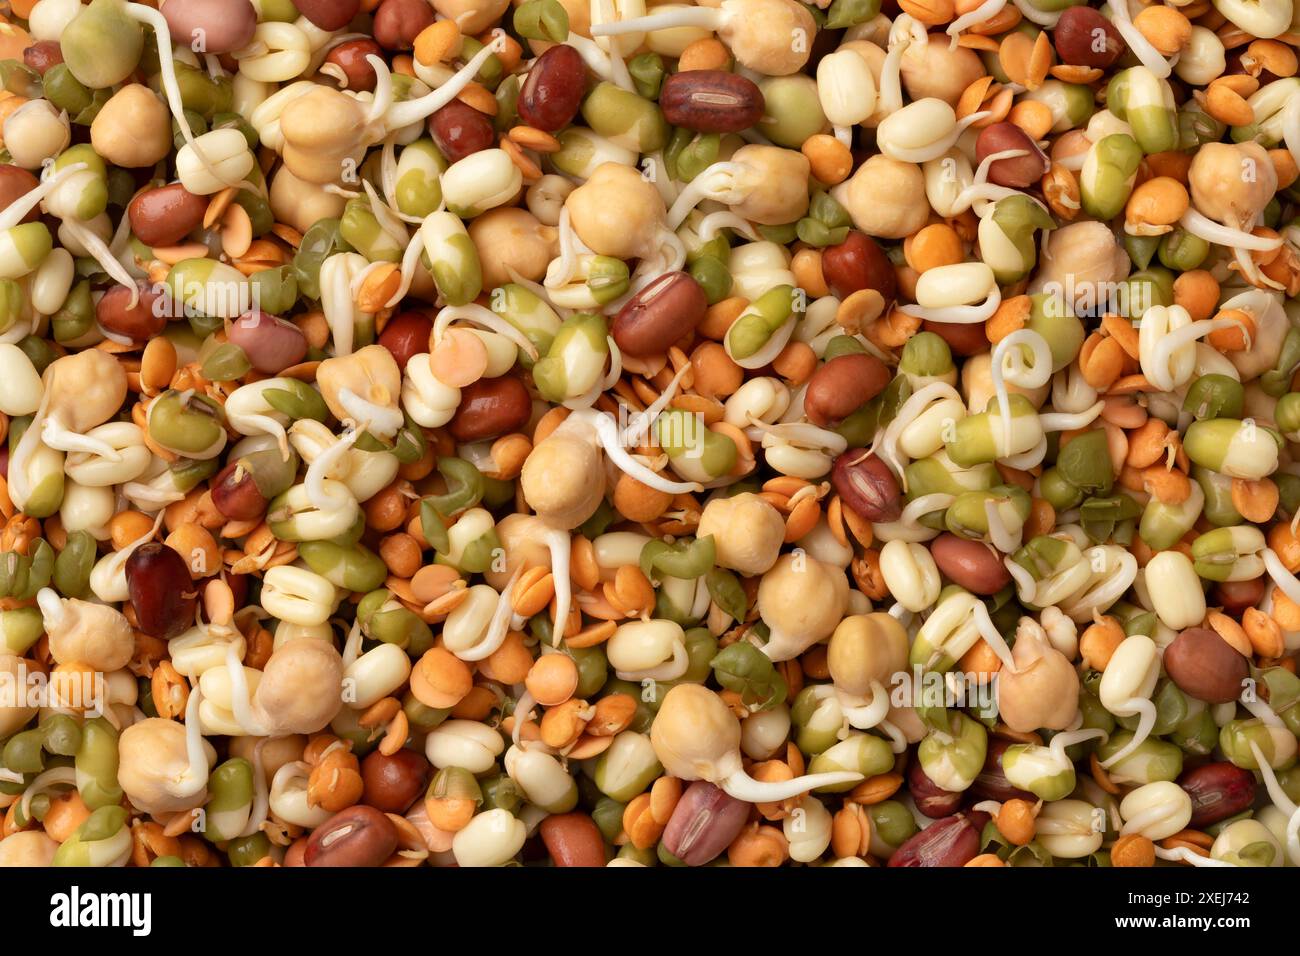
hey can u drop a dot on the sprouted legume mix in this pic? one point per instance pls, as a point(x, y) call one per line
point(456, 432)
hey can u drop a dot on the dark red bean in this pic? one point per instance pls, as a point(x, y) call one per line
point(350, 57)
point(1235, 596)
point(552, 93)
point(659, 315)
point(1019, 172)
point(236, 495)
point(490, 407)
point(357, 836)
point(573, 839)
point(1079, 43)
point(843, 385)
point(211, 26)
point(963, 338)
point(399, 22)
point(951, 841)
point(711, 101)
point(329, 15)
point(1218, 791)
point(867, 486)
point(930, 798)
point(858, 263)
point(972, 564)
point(406, 334)
point(991, 782)
point(459, 130)
point(140, 322)
point(42, 55)
point(271, 343)
point(1206, 666)
point(296, 855)
point(704, 823)
point(16, 182)
point(393, 781)
point(162, 593)
point(166, 215)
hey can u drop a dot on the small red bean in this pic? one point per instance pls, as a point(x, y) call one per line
point(490, 407)
point(166, 215)
point(711, 101)
point(1019, 172)
point(867, 486)
point(930, 798)
point(236, 495)
point(1218, 791)
point(1079, 42)
point(952, 841)
point(357, 836)
point(459, 130)
point(399, 22)
point(659, 315)
point(970, 564)
point(43, 55)
point(211, 26)
point(963, 338)
point(1235, 596)
point(350, 57)
point(704, 823)
point(271, 343)
point(393, 781)
point(1205, 666)
point(406, 334)
point(858, 263)
point(552, 93)
point(139, 323)
point(329, 15)
point(843, 385)
point(991, 782)
point(573, 839)
point(16, 182)
point(161, 590)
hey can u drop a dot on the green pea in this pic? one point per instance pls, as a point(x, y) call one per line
point(1153, 760)
point(792, 110)
point(20, 628)
point(926, 355)
point(360, 228)
point(230, 787)
point(187, 425)
point(683, 559)
point(61, 735)
point(859, 753)
point(846, 13)
point(74, 319)
point(891, 822)
point(1218, 396)
point(1182, 251)
point(608, 816)
point(96, 763)
point(542, 20)
point(954, 757)
point(64, 91)
point(1236, 736)
point(23, 753)
point(743, 668)
point(1108, 174)
point(625, 119)
point(647, 71)
point(1141, 249)
point(421, 716)
point(103, 838)
point(713, 276)
point(760, 321)
point(1085, 463)
point(627, 767)
point(102, 44)
point(321, 241)
point(354, 569)
point(245, 851)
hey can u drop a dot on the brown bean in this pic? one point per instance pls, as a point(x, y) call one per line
point(393, 781)
point(350, 57)
point(1019, 172)
point(399, 22)
point(1206, 666)
point(139, 323)
point(161, 591)
point(553, 91)
point(271, 343)
point(930, 798)
point(971, 564)
point(842, 386)
point(43, 55)
point(357, 836)
point(406, 334)
point(858, 263)
point(236, 495)
point(867, 486)
point(991, 782)
point(573, 839)
point(711, 101)
point(297, 852)
point(963, 338)
point(329, 15)
point(951, 841)
point(1235, 596)
point(490, 407)
point(704, 823)
point(459, 130)
point(166, 215)
point(16, 182)
point(1218, 791)
point(211, 26)
point(659, 315)
point(1076, 38)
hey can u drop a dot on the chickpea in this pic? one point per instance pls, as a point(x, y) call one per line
point(299, 691)
point(154, 767)
point(885, 197)
point(511, 238)
point(134, 129)
point(616, 212)
point(747, 532)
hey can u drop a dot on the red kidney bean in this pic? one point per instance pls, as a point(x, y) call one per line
point(1218, 791)
point(659, 315)
point(139, 323)
point(711, 101)
point(211, 26)
point(42, 55)
point(1076, 38)
point(459, 130)
point(166, 215)
point(963, 338)
point(1204, 665)
point(357, 836)
point(490, 407)
point(1235, 596)
point(399, 22)
point(271, 343)
point(970, 564)
point(704, 823)
point(991, 782)
point(930, 798)
point(552, 93)
point(297, 852)
point(236, 495)
point(573, 839)
point(393, 781)
point(350, 57)
point(329, 15)
point(951, 841)
point(16, 182)
point(406, 334)
point(858, 263)
point(162, 593)
point(1020, 172)
point(867, 486)
point(843, 385)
